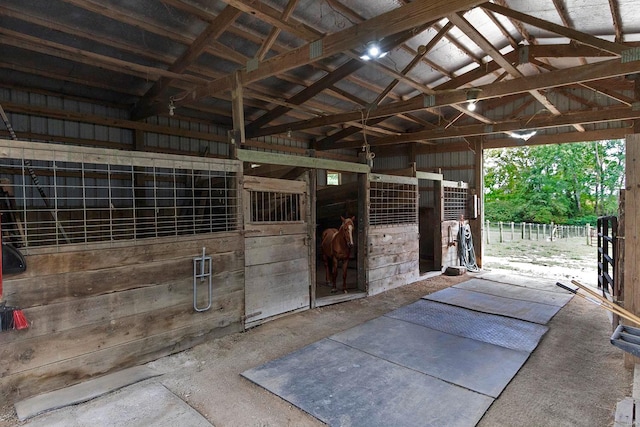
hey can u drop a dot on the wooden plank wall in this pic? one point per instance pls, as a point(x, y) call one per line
point(101, 310)
point(392, 256)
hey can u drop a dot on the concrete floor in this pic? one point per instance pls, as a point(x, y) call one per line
point(574, 377)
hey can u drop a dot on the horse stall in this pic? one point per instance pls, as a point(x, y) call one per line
point(111, 241)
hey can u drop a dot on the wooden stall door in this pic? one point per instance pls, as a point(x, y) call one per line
point(277, 242)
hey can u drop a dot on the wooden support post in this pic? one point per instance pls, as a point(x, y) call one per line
point(312, 176)
point(513, 231)
point(363, 226)
point(501, 236)
point(438, 189)
point(237, 107)
point(476, 224)
point(631, 234)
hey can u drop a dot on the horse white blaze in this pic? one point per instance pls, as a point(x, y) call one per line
point(350, 235)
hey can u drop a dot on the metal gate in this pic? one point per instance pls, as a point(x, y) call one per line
point(277, 242)
point(607, 269)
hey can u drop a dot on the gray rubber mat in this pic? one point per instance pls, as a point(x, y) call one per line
point(510, 307)
point(490, 328)
point(558, 299)
point(343, 386)
point(476, 365)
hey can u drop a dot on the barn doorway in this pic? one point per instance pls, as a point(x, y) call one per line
point(337, 196)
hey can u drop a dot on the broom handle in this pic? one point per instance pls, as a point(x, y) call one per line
point(615, 309)
point(620, 311)
point(34, 177)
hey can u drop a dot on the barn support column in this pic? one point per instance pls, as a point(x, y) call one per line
point(139, 199)
point(237, 109)
point(312, 176)
point(476, 224)
point(363, 225)
point(438, 210)
point(632, 230)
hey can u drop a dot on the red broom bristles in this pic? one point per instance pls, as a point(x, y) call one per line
point(19, 321)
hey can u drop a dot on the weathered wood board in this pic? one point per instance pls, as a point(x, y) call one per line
point(93, 311)
point(392, 256)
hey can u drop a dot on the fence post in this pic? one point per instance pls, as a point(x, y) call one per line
point(537, 231)
point(522, 228)
point(512, 232)
point(544, 230)
point(501, 236)
point(551, 231)
point(587, 232)
point(488, 233)
point(530, 231)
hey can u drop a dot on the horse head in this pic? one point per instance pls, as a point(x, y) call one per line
point(347, 230)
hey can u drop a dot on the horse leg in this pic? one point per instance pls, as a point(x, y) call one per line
point(325, 259)
point(334, 275)
point(345, 265)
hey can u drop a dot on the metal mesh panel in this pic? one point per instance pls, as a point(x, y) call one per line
point(271, 206)
point(50, 202)
point(455, 203)
point(393, 203)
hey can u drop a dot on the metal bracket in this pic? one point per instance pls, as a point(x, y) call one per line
point(201, 273)
point(315, 49)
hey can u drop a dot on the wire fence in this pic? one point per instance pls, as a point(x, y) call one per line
point(501, 232)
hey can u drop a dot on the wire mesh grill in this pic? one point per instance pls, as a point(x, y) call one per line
point(455, 203)
point(392, 203)
point(271, 206)
point(85, 202)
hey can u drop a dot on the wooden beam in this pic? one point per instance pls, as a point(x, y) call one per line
point(35, 44)
point(588, 39)
point(275, 31)
point(35, 110)
point(260, 157)
point(188, 57)
point(395, 21)
point(566, 119)
point(580, 74)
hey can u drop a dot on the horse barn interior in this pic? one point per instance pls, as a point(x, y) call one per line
point(168, 166)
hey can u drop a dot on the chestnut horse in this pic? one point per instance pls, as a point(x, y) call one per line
point(336, 245)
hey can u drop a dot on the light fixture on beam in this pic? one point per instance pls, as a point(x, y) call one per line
point(373, 51)
point(472, 98)
point(524, 135)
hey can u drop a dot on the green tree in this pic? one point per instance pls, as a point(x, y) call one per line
point(561, 183)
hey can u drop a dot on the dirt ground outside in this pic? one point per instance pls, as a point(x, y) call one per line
point(574, 377)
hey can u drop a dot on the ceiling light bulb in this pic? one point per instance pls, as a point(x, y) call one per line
point(374, 51)
point(471, 106)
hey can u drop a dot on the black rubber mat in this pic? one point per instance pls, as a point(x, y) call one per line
point(486, 303)
point(542, 296)
point(462, 361)
point(425, 364)
point(490, 328)
point(343, 386)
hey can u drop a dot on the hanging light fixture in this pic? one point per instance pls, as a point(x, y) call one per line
point(472, 98)
point(373, 51)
